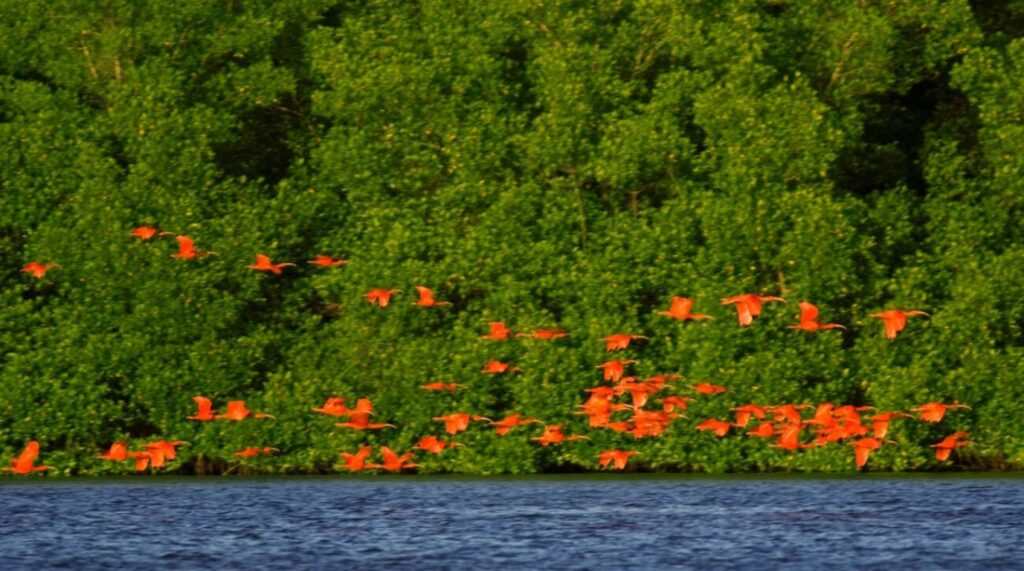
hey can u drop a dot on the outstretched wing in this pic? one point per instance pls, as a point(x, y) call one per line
point(681, 305)
point(808, 313)
point(204, 405)
point(426, 296)
point(29, 454)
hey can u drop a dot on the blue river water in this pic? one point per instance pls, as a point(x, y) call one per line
point(530, 523)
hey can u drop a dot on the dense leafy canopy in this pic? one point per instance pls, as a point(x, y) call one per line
point(566, 164)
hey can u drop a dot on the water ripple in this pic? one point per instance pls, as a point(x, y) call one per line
point(463, 524)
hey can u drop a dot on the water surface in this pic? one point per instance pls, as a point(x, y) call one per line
point(561, 523)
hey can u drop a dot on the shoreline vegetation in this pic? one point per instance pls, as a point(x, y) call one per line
point(280, 203)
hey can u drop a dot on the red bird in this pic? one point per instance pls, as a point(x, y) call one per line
point(719, 427)
point(147, 233)
point(451, 387)
point(880, 422)
point(809, 319)
point(253, 452)
point(141, 460)
point(458, 421)
point(619, 341)
point(359, 417)
point(205, 412)
point(498, 331)
point(614, 369)
point(36, 269)
point(708, 389)
point(680, 309)
point(498, 368)
point(895, 320)
point(263, 265)
point(427, 298)
point(187, 250)
point(333, 406)
point(24, 463)
point(763, 430)
point(381, 296)
point(619, 457)
point(748, 306)
point(363, 424)
point(943, 448)
point(862, 449)
point(238, 412)
point(357, 461)
point(118, 452)
point(670, 403)
point(164, 449)
point(934, 411)
point(744, 412)
point(434, 445)
point(327, 261)
point(393, 462)
point(511, 421)
point(553, 435)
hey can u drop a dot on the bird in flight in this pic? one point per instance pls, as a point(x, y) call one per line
point(162, 450)
point(681, 309)
point(880, 422)
point(382, 297)
point(426, 298)
point(359, 417)
point(499, 368)
point(896, 320)
point(147, 233)
point(763, 430)
point(333, 406)
point(25, 462)
point(553, 435)
point(237, 412)
point(392, 461)
point(619, 457)
point(708, 389)
point(719, 427)
point(671, 403)
point(498, 331)
point(205, 412)
point(263, 264)
point(37, 270)
point(118, 452)
point(142, 460)
point(862, 448)
point(809, 319)
point(327, 261)
point(934, 411)
point(614, 369)
point(458, 421)
point(434, 445)
point(187, 249)
point(509, 422)
point(619, 341)
point(947, 444)
point(357, 461)
point(744, 412)
point(748, 306)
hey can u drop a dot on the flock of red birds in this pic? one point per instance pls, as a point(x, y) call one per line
point(784, 424)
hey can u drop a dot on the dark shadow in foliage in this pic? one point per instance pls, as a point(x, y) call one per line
point(999, 18)
point(891, 146)
point(260, 148)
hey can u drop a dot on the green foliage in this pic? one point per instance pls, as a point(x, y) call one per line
point(567, 164)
